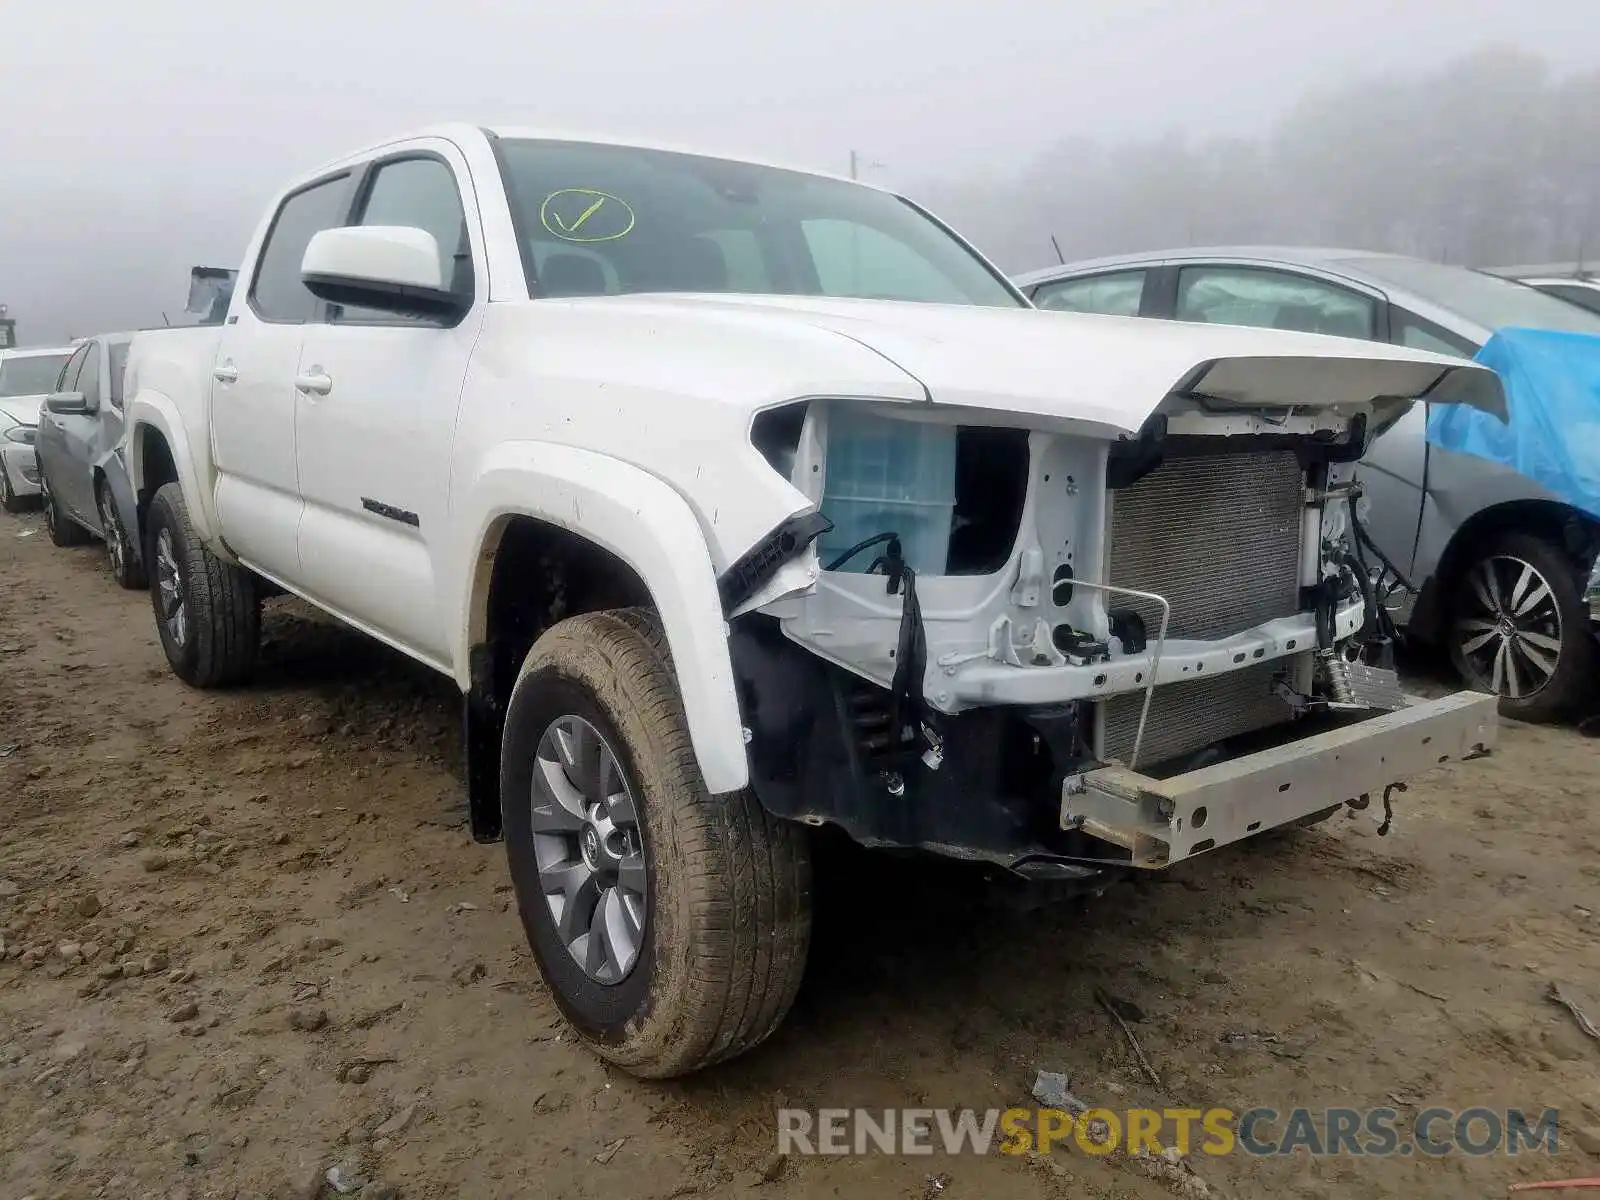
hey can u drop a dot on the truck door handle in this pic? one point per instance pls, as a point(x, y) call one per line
point(225, 373)
point(314, 381)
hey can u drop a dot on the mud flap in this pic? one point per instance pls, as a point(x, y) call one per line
point(483, 724)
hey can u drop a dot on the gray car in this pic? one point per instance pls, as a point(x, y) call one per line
point(1499, 567)
point(82, 476)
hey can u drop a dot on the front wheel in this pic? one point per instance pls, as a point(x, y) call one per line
point(670, 924)
point(120, 556)
point(1521, 629)
point(207, 610)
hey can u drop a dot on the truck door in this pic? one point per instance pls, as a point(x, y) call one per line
point(252, 388)
point(375, 418)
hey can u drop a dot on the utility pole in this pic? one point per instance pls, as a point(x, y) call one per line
point(857, 166)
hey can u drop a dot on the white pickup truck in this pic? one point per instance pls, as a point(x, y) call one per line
point(739, 499)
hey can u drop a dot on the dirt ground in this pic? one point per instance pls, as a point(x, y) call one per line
point(246, 938)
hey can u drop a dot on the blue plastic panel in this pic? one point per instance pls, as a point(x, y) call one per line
point(1552, 383)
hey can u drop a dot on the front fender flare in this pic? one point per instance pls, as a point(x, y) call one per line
point(648, 525)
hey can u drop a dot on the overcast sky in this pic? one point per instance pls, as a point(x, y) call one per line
point(140, 138)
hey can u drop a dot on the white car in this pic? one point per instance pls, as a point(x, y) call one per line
point(738, 500)
point(1573, 282)
point(26, 378)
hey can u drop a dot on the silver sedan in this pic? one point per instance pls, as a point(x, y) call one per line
point(1501, 569)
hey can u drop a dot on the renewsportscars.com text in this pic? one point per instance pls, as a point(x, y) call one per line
point(1360, 1132)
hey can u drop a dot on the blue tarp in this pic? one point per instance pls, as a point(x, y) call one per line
point(1552, 383)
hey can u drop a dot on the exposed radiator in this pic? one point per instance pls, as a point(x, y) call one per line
point(1188, 716)
point(1219, 537)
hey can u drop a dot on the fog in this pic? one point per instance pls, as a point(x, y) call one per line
point(142, 138)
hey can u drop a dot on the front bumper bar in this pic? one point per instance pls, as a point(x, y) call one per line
point(1162, 821)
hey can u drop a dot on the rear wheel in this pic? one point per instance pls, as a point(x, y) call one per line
point(207, 610)
point(670, 924)
point(63, 530)
point(1520, 628)
point(120, 556)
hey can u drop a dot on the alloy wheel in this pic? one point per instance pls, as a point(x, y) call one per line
point(169, 585)
point(48, 503)
point(589, 849)
point(111, 531)
point(1509, 630)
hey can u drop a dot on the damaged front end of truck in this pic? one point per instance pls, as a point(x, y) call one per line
point(1015, 636)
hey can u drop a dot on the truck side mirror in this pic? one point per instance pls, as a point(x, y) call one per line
point(394, 268)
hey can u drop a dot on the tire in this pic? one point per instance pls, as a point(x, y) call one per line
point(63, 530)
point(212, 634)
point(124, 563)
point(1540, 619)
point(9, 500)
point(724, 903)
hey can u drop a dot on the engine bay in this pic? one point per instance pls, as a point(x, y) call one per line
point(995, 608)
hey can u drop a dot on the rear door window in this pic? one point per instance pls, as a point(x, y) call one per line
point(277, 292)
point(1117, 294)
point(1272, 299)
point(1408, 329)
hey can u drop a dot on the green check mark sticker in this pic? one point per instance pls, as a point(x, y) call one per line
point(586, 215)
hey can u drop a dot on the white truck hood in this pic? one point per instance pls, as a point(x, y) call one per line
point(1110, 371)
point(20, 410)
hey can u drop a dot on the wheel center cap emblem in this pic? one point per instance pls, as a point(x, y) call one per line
point(591, 847)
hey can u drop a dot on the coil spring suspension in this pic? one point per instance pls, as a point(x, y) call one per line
point(1338, 682)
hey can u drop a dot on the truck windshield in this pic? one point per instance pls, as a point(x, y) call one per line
point(598, 220)
point(33, 375)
